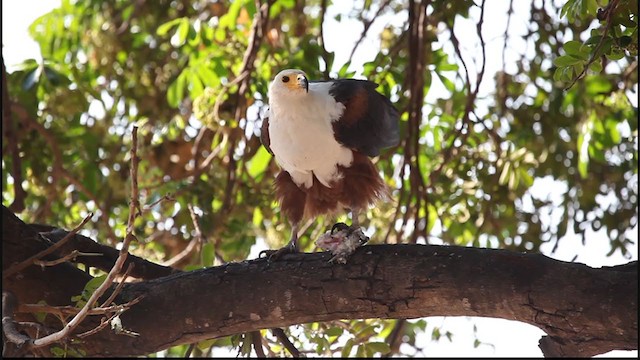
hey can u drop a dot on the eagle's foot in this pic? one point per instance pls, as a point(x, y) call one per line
point(342, 240)
point(275, 255)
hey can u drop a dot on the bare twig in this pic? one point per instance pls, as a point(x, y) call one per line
point(134, 208)
point(64, 311)
point(394, 339)
point(70, 256)
point(183, 254)
point(14, 269)
point(256, 340)
point(187, 354)
point(506, 33)
point(104, 322)
point(195, 243)
point(282, 337)
point(167, 197)
point(194, 219)
point(417, 32)
point(472, 94)
point(367, 24)
point(119, 287)
point(325, 53)
point(225, 88)
point(134, 205)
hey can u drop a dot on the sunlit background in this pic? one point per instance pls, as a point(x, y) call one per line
point(471, 337)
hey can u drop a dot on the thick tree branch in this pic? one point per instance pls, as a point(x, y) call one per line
point(584, 311)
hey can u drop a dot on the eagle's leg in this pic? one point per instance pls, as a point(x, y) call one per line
point(290, 248)
point(355, 231)
point(355, 223)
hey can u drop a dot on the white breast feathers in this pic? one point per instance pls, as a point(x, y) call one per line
point(301, 135)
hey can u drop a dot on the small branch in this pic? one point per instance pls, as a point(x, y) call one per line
point(606, 14)
point(71, 256)
point(195, 243)
point(282, 337)
point(182, 254)
point(97, 329)
point(117, 267)
point(119, 287)
point(187, 354)
point(394, 339)
point(506, 34)
point(134, 206)
point(14, 269)
point(104, 322)
point(325, 53)
point(367, 25)
point(64, 311)
point(167, 197)
point(471, 95)
point(256, 340)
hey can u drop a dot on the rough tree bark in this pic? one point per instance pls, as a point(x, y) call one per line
point(584, 311)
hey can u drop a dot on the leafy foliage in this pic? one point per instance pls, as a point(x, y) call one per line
point(194, 76)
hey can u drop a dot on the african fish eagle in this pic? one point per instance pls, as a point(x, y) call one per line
point(322, 134)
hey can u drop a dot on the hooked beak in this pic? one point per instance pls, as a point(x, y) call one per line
point(303, 82)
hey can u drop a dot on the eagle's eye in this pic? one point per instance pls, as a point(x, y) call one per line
point(285, 79)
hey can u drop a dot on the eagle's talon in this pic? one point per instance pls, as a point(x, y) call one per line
point(275, 255)
point(338, 227)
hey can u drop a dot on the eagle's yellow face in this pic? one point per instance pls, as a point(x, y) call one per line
point(291, 80)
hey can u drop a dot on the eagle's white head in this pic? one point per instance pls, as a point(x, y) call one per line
point(289, 83)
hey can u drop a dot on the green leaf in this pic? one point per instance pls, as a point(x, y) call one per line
point(504, 175)
point(258, 162)
point(164, 28)
point(196, 87)
point(566, 60)
point(381, 347)
point(89, 288)
point(207, 76)
point(596, 66)
point(612, 130)
point(346, 350)
point(450, 85)
point(576, 49)
point(229, 20)
point(334, 331)
point(615, 55)
point(180, 37)
point(175, 92)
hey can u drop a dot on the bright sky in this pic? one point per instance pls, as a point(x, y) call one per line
point(499, 338)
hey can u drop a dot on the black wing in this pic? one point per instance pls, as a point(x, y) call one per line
point(264, 133)
point(369, 122)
